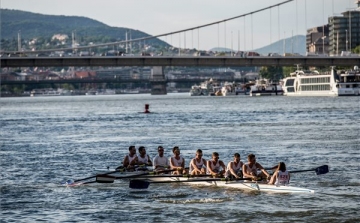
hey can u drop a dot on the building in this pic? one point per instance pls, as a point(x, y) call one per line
point(344, 31)
point(314, 40)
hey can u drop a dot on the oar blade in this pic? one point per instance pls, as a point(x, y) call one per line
point(105, 179)
point(139, 184)
point(322, 170)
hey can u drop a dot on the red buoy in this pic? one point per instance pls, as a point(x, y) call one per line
point(147, 108)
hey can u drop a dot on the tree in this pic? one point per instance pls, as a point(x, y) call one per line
point(356, 50)
point(271, 72)
point(287, 70)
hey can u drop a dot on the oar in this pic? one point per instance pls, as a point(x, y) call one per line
point(147, 173)
point(104, 178)
point(318, 170)
point(143, 184)
point(87, 178)
point(123, 169)
point(185, 175)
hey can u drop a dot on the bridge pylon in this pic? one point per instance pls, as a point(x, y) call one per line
point(158, 81)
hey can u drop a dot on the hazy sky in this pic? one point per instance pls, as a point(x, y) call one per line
point(162, 16)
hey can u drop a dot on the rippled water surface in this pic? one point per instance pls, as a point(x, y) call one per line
point(45, 141)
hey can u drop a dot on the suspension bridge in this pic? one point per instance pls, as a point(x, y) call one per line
point(245, 43)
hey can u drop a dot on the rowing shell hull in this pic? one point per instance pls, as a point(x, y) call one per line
point(235, 184)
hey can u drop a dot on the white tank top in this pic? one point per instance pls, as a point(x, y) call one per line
point(252, 169)
point(282, 178)
point(236, 167)
point(199, 165)
point(177, 162)
point(131, 158)
point(215, 168)
point(143, 160)
point(160, 161)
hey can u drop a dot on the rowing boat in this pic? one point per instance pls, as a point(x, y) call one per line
point(142, 179)
point(136, 183)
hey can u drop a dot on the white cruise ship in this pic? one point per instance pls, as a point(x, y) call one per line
point(306, 83)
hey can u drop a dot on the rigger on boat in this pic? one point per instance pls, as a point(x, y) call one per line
point(143, 179)
point(213, 172)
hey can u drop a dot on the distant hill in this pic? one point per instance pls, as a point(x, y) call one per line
point(296, 44)
point(33, 25)
point(220, 49)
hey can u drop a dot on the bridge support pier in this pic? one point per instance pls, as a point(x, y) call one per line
point(158, 81)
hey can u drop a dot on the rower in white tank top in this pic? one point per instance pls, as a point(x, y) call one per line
point(143, 158)
point(160, 162)
point(233, 169)
point(215, 166)
point(250, 169)
point(197, 165)
point(131, 159)
point(177, 162)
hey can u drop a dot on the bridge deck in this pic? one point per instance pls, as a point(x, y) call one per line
point(203, 61)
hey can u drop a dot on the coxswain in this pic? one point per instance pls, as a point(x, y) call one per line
point(281, 176)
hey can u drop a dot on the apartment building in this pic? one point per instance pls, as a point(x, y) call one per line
point(317, 40)
point(344, 31)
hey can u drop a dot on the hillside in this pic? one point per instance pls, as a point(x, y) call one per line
point(297, 44)
point(34, 25)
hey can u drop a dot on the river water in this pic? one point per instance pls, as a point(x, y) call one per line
point(48, 140)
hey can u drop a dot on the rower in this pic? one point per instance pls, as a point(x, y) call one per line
point(215, 167)
point(281, 175)
point(197, 165)
point(250, 169)
point(161, 162)
point(131, 159)
point(143, 158)
point(233, 169)
point(177, 162)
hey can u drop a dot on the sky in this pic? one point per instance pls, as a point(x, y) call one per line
point(163, 16)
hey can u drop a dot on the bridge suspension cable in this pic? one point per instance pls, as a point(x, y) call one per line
point(156, 36)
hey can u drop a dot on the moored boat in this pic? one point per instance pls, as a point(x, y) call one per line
point(228, 89)
point(263, 87)
point(306, 83)
point(349, 83)
point(44, 92)
point(105, 92)
point(198, 91)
